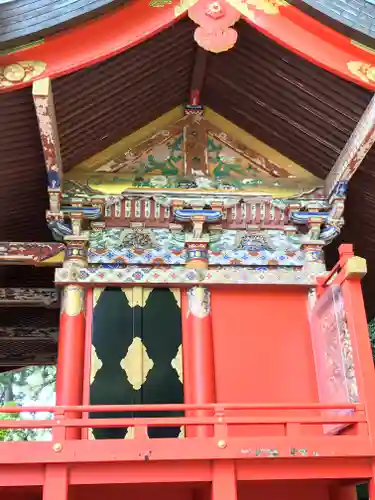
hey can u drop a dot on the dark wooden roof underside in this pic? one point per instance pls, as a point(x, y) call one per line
point(303, 111)
point(27, 21)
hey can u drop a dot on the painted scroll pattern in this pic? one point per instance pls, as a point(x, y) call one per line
point(333, 351)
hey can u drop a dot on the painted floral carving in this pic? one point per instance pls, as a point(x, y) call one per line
point(268, 6)
point(364, 71)
point(248, 7)
point(214, 19)
point(20, 72)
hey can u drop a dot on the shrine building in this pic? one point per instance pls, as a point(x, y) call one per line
point(187, 230)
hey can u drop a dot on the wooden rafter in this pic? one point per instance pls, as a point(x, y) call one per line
point(198, 76)
point(195, 146)
point(354, 151)
point(45, 111)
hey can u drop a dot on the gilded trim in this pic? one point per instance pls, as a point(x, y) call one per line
point(96, 295)
point(183, 6)
point(20, 72)
point(363, 71)
point(355, 267)
point(137, 296)
point(198, 302)
point(137, 364)
point(96, 364)
point(176, 364)
point(177, 295)
point(73, 300)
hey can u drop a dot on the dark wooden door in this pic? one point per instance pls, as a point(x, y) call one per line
point(136, 353)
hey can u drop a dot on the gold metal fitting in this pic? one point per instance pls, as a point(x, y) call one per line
point(222, 444)
point(57, 447)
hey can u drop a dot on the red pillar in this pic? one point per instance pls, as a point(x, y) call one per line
point(198, 356)
point(71, 350)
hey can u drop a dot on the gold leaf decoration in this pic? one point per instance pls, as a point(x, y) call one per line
point(159, 3)
point(20, 72)
point(182, 432)
point(177, 295)
point(199, 302)
point(96, 295)
point(137, 296)
point(246, 7)
point(73, 300)
point(183, 6)
point(362, 70)
point(129, 433)
point(269, 6)
point(96, 364)
point(176, 364)
point(137, 364)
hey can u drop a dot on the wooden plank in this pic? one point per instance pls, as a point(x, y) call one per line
point(354, 151)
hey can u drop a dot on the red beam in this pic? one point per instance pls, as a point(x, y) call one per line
point(191, 471)
point(254, 448)
point(220, 407)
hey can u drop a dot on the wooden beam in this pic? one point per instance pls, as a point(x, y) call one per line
point(45, 112)
point(31, 254)
point(29, 297)
point(199, 74)
point(195, 144)
point(354, 151)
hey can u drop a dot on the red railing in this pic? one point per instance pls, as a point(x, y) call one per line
point(220, 420)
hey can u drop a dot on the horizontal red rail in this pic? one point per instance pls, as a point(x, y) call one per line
point(179, 407)
point(176, 421)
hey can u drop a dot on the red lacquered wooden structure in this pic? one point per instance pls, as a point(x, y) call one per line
point(233, 448)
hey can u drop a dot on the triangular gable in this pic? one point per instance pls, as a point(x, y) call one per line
point(192, 152)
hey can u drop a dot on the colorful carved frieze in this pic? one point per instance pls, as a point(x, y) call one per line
point(143, 246)
point(179, 275)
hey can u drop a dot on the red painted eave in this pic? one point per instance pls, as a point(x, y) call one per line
point(113, 33)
